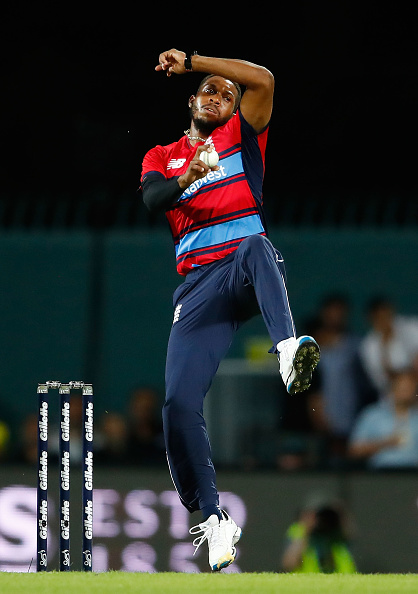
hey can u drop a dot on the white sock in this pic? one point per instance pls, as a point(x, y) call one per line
point(284, 343)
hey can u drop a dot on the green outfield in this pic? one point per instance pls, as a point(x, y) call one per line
point(180, 583)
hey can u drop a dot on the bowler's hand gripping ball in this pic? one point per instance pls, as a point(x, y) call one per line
point(209, 158)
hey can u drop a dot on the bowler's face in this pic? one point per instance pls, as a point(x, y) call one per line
point(214, 102)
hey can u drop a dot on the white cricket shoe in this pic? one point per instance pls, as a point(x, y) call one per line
point(222, 536)
point(298, 357)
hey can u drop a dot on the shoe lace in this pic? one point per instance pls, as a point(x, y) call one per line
point(210, 533)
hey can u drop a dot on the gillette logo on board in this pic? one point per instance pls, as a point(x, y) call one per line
point(65, 472)
point(43, 471)
point(43, 422)
point(43, 522)
point(65, 522)
point(88, 473)
point(88, 521)
point(88, 425)
point(65, 423)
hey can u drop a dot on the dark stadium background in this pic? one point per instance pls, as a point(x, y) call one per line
point(81, 103)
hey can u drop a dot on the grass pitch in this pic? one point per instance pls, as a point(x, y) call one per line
point(180, 583)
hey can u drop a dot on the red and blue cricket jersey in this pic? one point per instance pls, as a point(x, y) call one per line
point(214, 214)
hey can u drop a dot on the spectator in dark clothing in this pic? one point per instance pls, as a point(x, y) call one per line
point(341, 387)
point(145, 437)
point(113, 444)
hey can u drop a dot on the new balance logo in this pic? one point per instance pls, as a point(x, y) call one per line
point(177, 313)
point(176, 163)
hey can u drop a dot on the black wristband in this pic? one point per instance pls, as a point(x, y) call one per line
point(188, 61)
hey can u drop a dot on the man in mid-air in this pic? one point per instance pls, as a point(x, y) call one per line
point(232, 271)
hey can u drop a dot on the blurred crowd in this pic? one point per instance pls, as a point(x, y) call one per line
point(362, 407)
point(132, 439)
point(360, 412)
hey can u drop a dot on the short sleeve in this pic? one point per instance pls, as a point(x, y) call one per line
point(154, 162)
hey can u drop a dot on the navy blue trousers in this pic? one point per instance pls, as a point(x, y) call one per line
point(210, 306)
